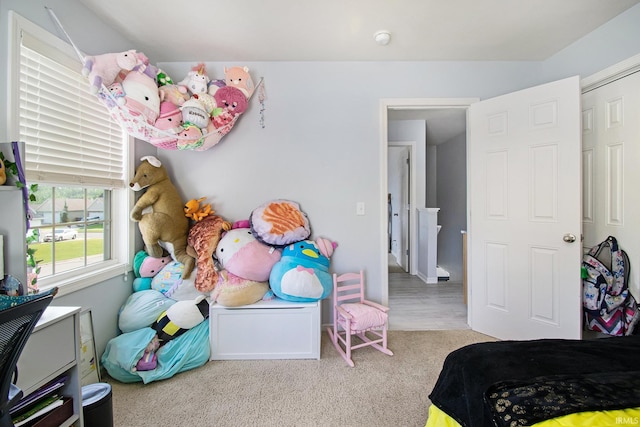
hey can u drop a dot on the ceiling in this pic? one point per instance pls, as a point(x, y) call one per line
point(343, 30)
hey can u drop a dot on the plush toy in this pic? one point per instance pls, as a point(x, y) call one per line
point(103, 69)
point(231, 99)
point(193, 112)
point(223, 121)
point(214, 85)
point(114, 96)
point(174, 94)
point(196, 80)
point(203, 240)
point(242, 255)
point(279, 223)
point(166, 222)
point(302, 274)
point(149, 359)
point(141, 96)
point(190, 137)
point(144, 66)
point(180, 317)
point(170, 122)
point(234, 291)
point(193, 210)
point(145, 267)
point(163, 78)
point(240, 78)
point(208, 102)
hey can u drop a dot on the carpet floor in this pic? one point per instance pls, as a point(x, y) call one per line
point(380, 391)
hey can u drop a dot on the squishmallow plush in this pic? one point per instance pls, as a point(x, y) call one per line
point(241, 254)
point(302, 274)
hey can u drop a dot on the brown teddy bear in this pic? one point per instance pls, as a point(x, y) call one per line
point(159, 213)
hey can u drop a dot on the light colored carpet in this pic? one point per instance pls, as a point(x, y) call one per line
point(380, 391)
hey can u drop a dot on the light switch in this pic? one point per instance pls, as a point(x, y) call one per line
point(360, 208)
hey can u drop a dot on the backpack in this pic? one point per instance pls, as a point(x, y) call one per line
point(608, 305)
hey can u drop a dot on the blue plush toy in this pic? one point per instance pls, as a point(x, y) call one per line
point(302, 274)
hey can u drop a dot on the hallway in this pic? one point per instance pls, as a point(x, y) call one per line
point(415, 305)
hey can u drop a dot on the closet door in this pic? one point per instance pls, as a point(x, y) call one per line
point(611, 167)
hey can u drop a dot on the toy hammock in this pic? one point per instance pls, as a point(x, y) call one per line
point(192, 114)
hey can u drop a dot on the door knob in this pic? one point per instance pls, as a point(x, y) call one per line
point(569, 238)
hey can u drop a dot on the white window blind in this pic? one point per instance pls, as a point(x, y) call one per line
point(70, 139)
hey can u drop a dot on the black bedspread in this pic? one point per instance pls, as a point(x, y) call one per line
point(472, 373)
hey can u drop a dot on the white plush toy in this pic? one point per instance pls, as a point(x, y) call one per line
point(103, 69)
point(180, 317)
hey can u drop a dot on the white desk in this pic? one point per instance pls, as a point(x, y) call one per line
point(53, 350)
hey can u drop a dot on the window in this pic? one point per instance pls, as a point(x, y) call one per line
point(77, 155)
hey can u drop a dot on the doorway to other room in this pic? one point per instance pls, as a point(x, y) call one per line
point(436, 131)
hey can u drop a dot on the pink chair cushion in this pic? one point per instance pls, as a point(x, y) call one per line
point(364, 316)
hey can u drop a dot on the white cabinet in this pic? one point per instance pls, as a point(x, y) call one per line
point(53, 350)
point(275, 329)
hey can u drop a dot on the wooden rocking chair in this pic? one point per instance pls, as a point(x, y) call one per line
point(355, 316)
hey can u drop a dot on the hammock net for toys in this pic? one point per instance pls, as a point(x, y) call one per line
point(194, 113)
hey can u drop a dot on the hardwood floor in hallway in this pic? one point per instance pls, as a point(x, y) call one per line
point(415, 305)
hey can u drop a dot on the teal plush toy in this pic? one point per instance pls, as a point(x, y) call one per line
point(144, 268)
point(302, 274)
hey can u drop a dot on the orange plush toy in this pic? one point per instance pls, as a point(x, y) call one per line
point(203, 240)
point(193, 210)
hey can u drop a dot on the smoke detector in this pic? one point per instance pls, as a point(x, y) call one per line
point(382, 37)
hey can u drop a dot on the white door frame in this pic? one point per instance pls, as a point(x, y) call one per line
point(413, 234)
point(609, 74)
point(409, 104)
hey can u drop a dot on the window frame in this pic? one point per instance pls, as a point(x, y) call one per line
point(122, 230)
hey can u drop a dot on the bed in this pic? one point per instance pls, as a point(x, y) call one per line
point(548, 382)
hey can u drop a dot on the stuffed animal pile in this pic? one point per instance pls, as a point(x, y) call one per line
point(193, 258)
point(192, 114)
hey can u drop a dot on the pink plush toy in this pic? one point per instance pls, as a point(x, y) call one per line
point(103, 69)
point(174, 94)
point(240, 78)
point(142, 96)
point(190, 137)
point(169, 121)
point(231, 99)
point(242, 255)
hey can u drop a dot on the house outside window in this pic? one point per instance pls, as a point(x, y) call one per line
point(80, 233)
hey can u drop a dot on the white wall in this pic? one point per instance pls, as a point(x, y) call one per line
point(413, 130)
point(613, 42)
point(452, 201)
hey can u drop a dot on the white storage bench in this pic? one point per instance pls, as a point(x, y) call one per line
point(275, 329)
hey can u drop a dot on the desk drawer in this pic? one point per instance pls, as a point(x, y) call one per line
point(47, 352)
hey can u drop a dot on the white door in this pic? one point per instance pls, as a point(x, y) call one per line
point(524, 199)
point(610, 154)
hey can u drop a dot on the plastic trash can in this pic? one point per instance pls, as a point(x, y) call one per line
point(97, 407)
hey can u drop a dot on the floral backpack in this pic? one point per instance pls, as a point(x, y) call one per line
point(608, 305)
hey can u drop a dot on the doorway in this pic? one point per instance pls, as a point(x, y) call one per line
point(431, 111)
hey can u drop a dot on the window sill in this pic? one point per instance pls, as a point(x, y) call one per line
point(79, 281)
